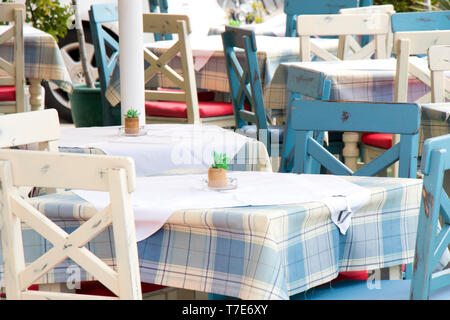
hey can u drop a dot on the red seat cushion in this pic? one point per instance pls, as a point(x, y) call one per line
point(201, 95)
point(176, 109)
point(7, 93)
point(380, 140)
point(98, 289)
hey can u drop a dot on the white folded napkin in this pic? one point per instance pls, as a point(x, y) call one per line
point(156, 198)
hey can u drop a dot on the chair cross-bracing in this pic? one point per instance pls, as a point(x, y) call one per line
point(432, 240)
point(12, 75)
point(307, 116)
point(161, 105)
point(115, 175)
point(439, 63)
point(344, 26)
point(293, 8)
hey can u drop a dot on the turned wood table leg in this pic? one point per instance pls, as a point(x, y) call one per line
point(36, 94)
point(351, 150)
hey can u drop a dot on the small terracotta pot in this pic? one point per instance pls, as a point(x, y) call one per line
point(217, 177)
point(131, 125)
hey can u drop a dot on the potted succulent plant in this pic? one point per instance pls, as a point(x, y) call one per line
point(217, 173)
point(132, 121)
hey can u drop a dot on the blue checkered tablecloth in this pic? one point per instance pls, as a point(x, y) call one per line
point(262, 252)
point(43, 59)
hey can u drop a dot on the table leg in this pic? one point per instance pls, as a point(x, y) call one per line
point(36, 94)
point(351, 150)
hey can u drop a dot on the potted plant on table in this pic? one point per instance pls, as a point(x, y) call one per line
point(217, 173)
point(132, 121)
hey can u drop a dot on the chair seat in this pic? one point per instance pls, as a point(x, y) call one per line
point(380, 140)
point(7, 93)
point(364, 290)
point(176, 109)
point(250, 131)
point(202, 95)
point(98, 289)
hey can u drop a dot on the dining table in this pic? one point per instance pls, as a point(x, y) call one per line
point(253, 245)
point(210, 64)
point(43, 61)
point(361, 80)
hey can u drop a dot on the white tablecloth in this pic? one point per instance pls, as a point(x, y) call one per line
point(164, 147)
point(156, 198)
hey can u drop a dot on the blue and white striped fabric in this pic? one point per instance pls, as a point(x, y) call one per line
point(268, 252)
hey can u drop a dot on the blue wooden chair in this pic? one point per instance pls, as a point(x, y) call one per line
point(428, 282)
point(106, 55)
point(246, 90)
point(404, 119)
point(292, 8)
point(160, 6)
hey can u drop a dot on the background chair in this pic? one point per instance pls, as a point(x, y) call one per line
point(247, 95)
point(24, 168)
point(357, 117)
point(293, 8)
point(438, 63)
point(12, 75)
point(106, 55)
point(386, 9)
point(160, 6)
point(431, 242)
point(376, 25)
point(178, 106)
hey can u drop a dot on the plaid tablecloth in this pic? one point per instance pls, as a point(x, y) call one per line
point(212, 75)
point(268, 252)
point(363, 80)
point(43, 59)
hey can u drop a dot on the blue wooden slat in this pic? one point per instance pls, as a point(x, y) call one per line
point(293, 8)
point(420, 21)
point(98, 14)
point(383, 161)
point(403, 118)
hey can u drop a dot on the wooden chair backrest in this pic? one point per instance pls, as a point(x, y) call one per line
point(40, 127)
point(406, 44)
point(160, 6)
point(173, 24)
point(439, 63)
point(385, 8)
point(376, 25)
point(432, 239)
point(308, 116)
point(13, 74)
point(52, 170)
point(293, 8)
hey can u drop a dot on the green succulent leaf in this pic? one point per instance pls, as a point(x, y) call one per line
point(132, 113)
point(220, 161)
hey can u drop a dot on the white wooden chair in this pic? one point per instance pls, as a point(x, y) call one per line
point(115, 175)
point(409, 43)
point(438, 63)
point(344, 26)
point(12, 75)
point(161, 105)
point(386, 9)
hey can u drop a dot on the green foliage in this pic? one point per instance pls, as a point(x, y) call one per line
point(132, 113)
point(444, 4)
point(221, 161)
point(49, 16)
point(403, 5)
